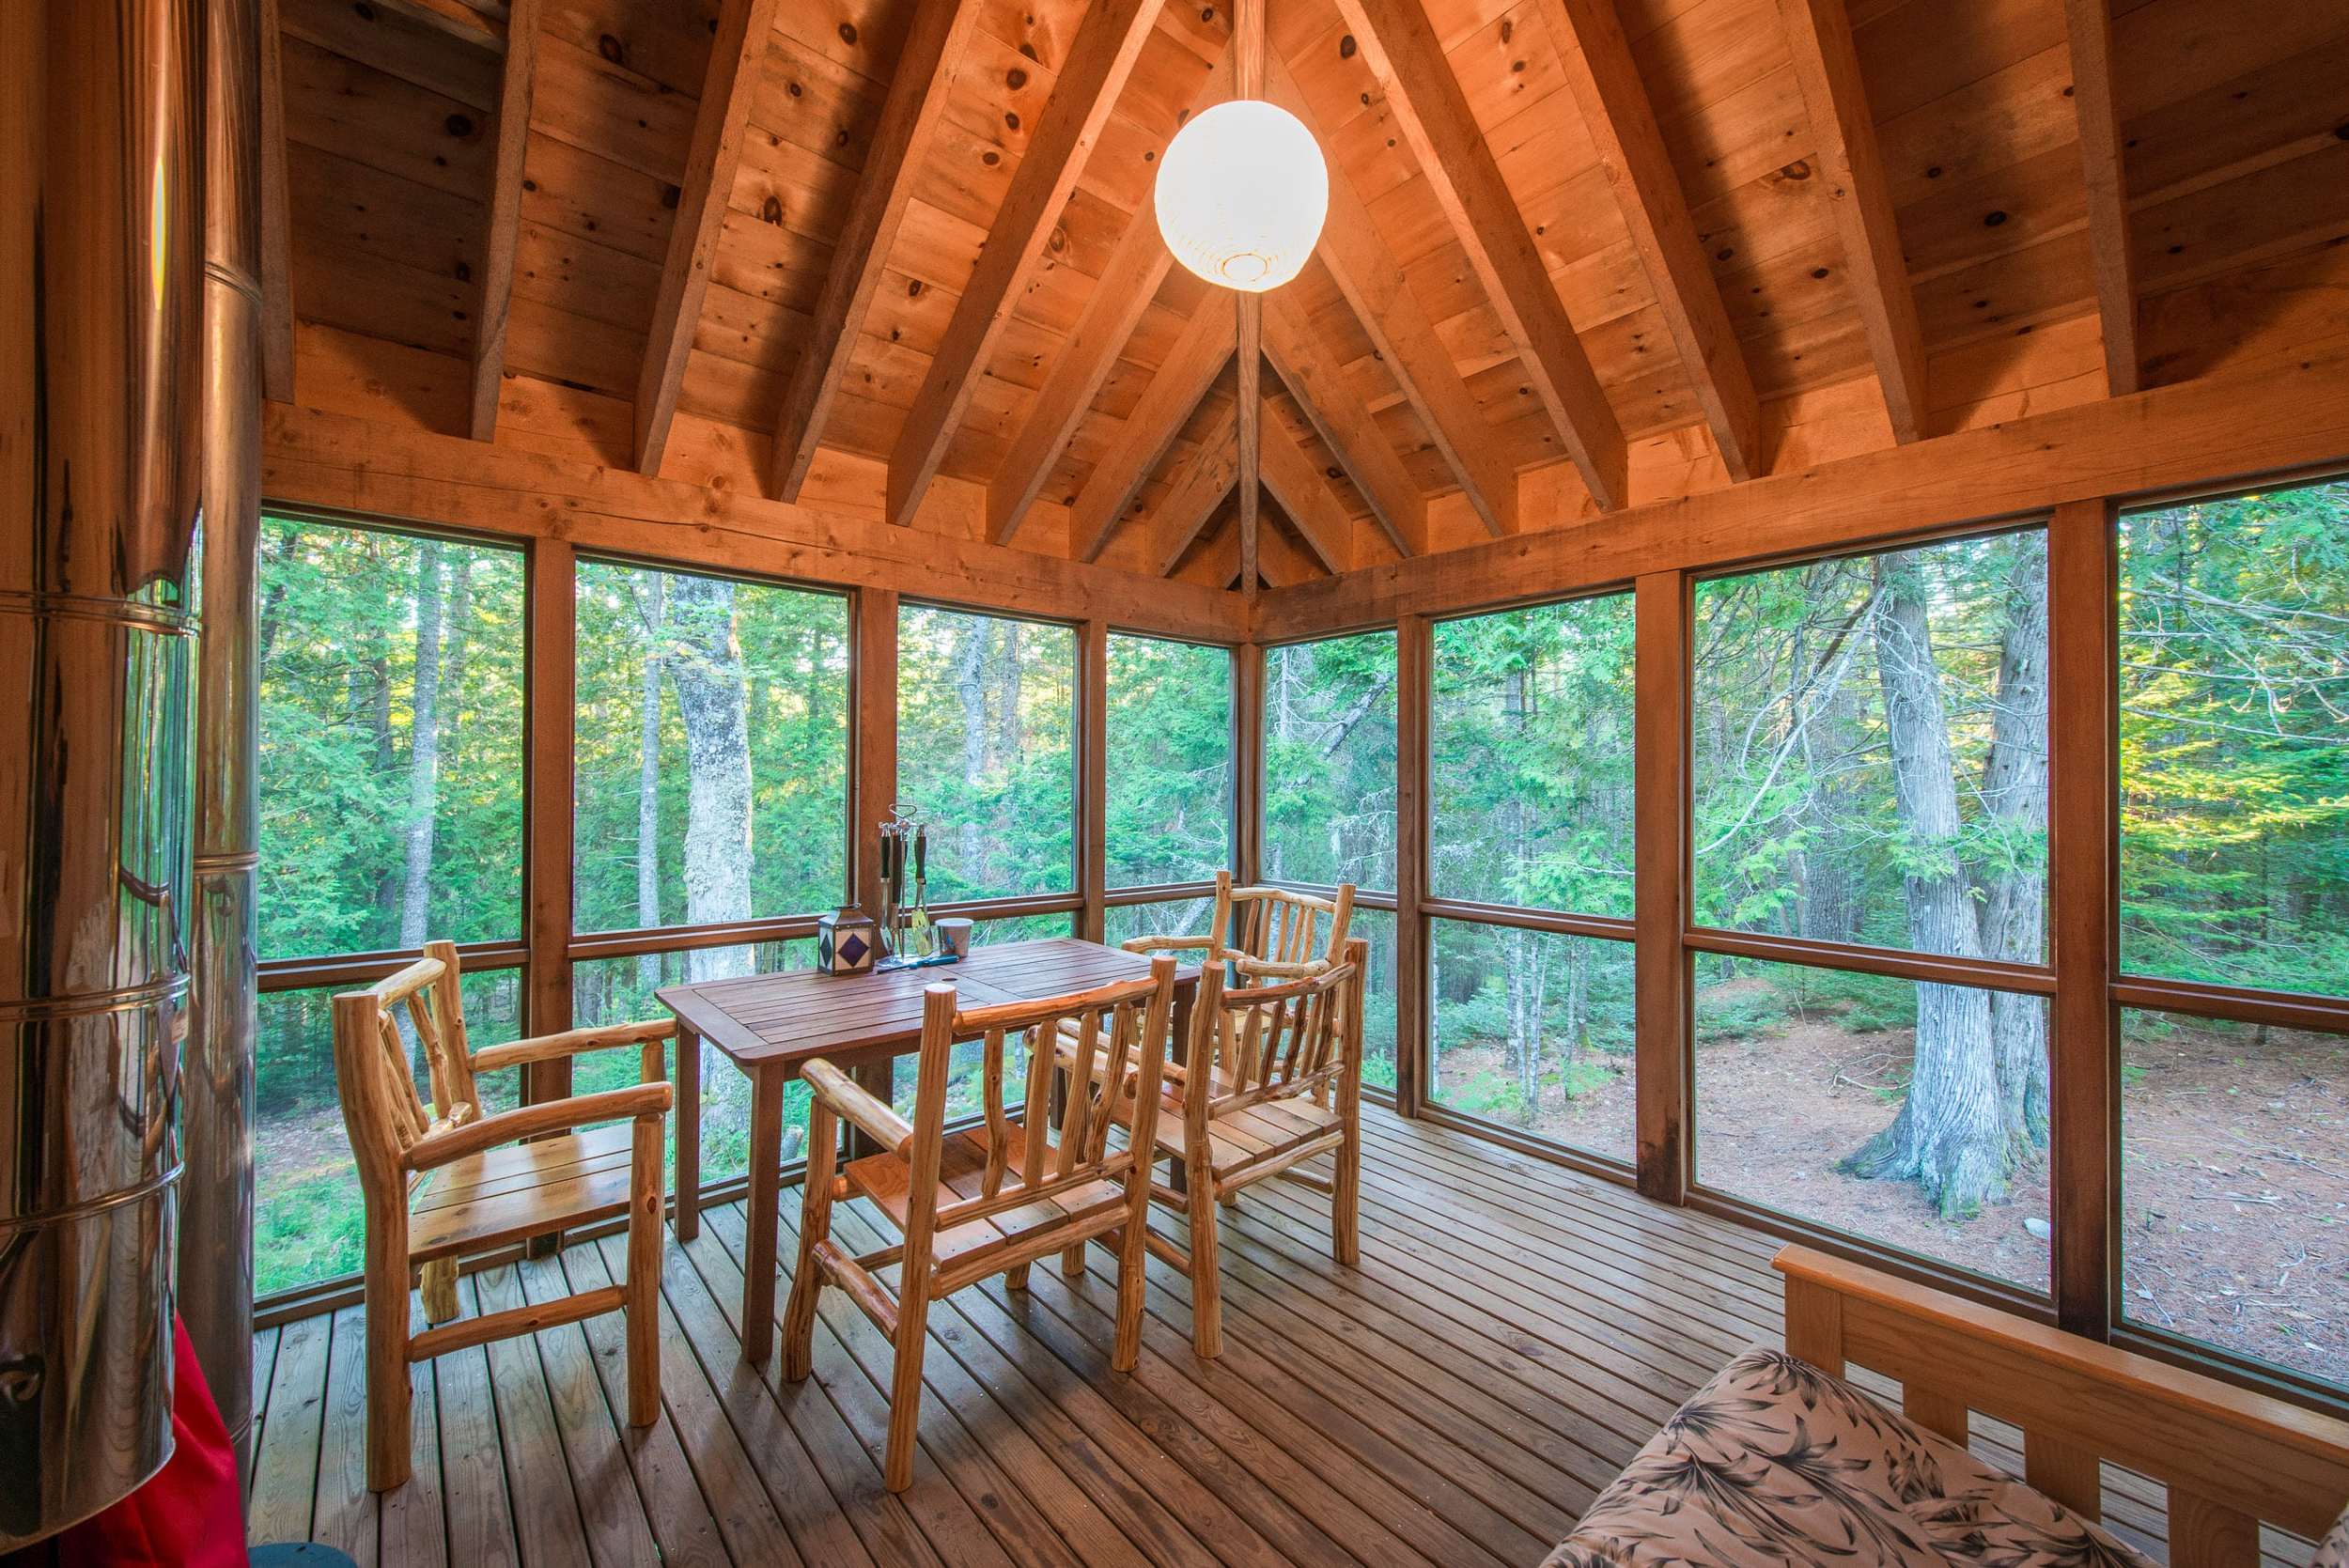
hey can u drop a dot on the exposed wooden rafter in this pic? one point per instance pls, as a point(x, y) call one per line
point(1344, 421)
point(1124, 291)
point(485, 24)
point(1249, 353)
point(277, 318)
point(1433, 115)
point(1818, 33)
point(916, 106)
point(1604, 80)
point(728, 87)
point(1404, 336)
point(515, 85)
point(1199, 495)
point(2089, 25)
point(1198, 357)
point(1108, 43)
point(1295, 482)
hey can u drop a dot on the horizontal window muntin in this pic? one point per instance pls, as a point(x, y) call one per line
point(1898, 963)
point(355, 971)
point(1364, 898)
point(2233, 1003)
point(1532, 918)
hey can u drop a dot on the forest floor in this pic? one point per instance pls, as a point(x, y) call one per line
point(2235, 1175)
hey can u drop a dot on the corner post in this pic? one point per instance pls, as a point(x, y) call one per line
point(1660, 908)
point(550, 687)
point(2084, 871)
point(1414, 650)
point(1093, 689)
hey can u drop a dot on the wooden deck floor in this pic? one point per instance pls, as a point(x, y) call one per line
point(1510, 1337)
point(1514, 1333)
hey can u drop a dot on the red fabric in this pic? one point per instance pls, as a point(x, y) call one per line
point(187, 1516)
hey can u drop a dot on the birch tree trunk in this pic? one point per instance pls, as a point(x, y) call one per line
point(706, 672)
point(424, 752)
point(1949, 1134)
point(652, 608)
point(2014, 892)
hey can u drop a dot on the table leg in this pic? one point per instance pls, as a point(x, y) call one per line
point(879, 1079)
point(689, 1133)
point(760, 1216)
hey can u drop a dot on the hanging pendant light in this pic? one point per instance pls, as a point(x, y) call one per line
point(1242, 192)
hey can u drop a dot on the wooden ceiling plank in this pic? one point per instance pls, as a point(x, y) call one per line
point(1107, 45)
point(1198, 496)
point(1297, 483)
point(1433, 114)
point(1124, 290)
point(1344, 421)
point(1198, 357)
point(2089, 25)
point(1405, 338)
point(1249, 347)
point(505, 215)
point(484, 27)
point(919, 90)
point(277, 313)
point(1605, 80)
point(728, 87)
point(1826, 65)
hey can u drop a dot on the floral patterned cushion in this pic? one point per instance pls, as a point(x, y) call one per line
point(1776, 1463)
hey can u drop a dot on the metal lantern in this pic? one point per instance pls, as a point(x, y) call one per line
point(847, 941)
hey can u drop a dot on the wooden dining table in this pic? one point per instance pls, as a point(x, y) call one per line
point(770, 1025)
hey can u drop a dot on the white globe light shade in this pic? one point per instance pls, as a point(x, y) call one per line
point(1242, 190)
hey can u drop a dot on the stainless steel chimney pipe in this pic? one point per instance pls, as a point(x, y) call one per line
point(102, 228)
point(217, 1198)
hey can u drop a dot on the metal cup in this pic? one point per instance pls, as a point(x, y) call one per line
point(954, 936)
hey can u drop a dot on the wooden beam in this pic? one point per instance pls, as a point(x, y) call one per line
point(1206, 484)
point(1662, 1045)
point(1344, 421)
point(728, 87)
point(2216, 430)
point(1433, 115)
point(2083, 864)
point(1297, 483)
point(505, 215)
point(2088, 23)
point(1250, 427)
point(1248, 762)
point(277, 318)
point(908, 129)
point(1818, 33)
point(1198, 357)
point(1414, 651)
point(1127, 285)
point(547, 845)
point(1606, 83)
point(314, 458)
point(1405, 338)
point(1108, 43)
point(1092, 705)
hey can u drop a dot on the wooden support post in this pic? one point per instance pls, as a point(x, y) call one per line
point(1248, 662)
point(874, 742)
point(1661, 752)
point(1092, 692)
point(547, 680)
point(2084, 861)
point(1414, 652)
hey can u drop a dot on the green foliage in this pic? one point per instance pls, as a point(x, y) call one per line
point(1328, 770)
point(1169, 765)
point(2235, 741)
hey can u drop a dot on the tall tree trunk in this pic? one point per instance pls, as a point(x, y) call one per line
point(2015, 792)
point(705, 667)
point(1949, 1136)
point(652, 609)
point(970, 689)
point(424, 752)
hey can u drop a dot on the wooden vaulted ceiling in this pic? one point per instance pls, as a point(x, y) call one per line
point(897, 255)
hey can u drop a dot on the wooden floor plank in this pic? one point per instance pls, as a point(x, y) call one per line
point(1516, 1329)
point(264, 1364)
point(345, 1515)
point(286, 1466)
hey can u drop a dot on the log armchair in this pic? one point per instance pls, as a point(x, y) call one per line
point(438, 1185)
point(1265, 933)
point(995, 1197)
point(1272, 1077)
